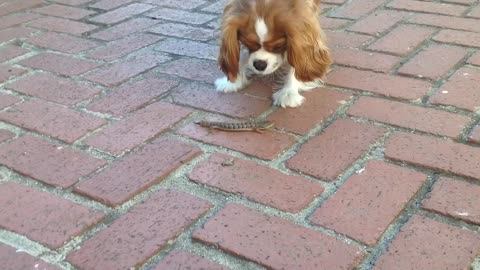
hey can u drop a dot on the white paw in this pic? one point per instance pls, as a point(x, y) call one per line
point(285, 99)
point(225, 86)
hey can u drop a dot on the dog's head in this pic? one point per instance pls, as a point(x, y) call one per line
point(273, 31)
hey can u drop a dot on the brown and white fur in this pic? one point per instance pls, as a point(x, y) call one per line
point(276, 34)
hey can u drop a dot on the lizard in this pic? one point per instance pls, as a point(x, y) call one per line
point(258, 126)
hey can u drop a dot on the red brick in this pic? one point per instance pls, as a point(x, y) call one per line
point(475, 136)
point(434, 62)
point(356, 9)
point(475, 59)
point(427, 244)
point(139, 127)
point(333, 23)
point(62, 25)
point(141, 233)
point(367, 203)
point(363, 59)
point(412, 117)
point(53, 120)
point(264, 146)
point(6, 73)
point(188, 48)
point(16, 6)
point(402, 40)
point(461, 90)
point(256, 182)
point(121, 13)
point(181, 16)
point(114, 185)
point(447, 22)
point(6, 135)
point(319, 105)
point(72, 2)
point(9, 52)
point(61, 42)
point(8, 100)
point(55, 89)
point(461, 2)
point(193, 69)
point(458, 37)
point(429, 7)
point(124, 29)
point(327, 155)
point(120, 72)
point(346, 39)
point(64, 12)
point(123, 47)
point(383, 84)
point(189, 4)
point(14, 260)
point(16, 19)
point(434, 153)
point(31, 213)
point(455, 198)
point(206, 98)
point(183, 31)
point(132, 97)
point(56, 63)
point(110, 4)
point(15, 33)
point(47, 162)
point(178, 259)
point(377, 22)
point(475, 12)
point(274, 242)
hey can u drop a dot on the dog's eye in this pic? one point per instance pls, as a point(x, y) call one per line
point(278, 48)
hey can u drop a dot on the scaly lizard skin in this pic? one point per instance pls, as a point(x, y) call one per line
point(259, 126)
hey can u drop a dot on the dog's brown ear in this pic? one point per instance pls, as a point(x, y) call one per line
point(229, 55)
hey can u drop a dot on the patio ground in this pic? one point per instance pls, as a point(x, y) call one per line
point(102, 166)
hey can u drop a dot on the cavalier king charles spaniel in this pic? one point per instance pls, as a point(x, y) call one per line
point(278, 35)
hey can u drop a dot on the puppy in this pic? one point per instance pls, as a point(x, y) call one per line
point(277, 35)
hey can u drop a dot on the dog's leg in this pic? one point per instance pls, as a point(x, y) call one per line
point(226, 86)
point(288, 96)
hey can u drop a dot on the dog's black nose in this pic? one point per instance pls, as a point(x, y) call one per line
point(260, 65)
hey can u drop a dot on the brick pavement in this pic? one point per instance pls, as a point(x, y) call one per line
point(102, 166)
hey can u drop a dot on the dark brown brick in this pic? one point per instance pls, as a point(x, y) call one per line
point(12, 259)
point(183, 31)
point(427, 244)
point(383, 84)
point(356, 9)
point(9, 52)
point(39, 211)
point(411, 117)
point(461, 90)
point(429, 7)
point(121, 13)
point(181, 16)
point(114, 185)
point(434, 153)
point(53, 88)
point(455, 198)
point(377, 22)
point(265, 146)
point(51, 119)
point(124, 29)
point(64, 11)
point(15, 33)
point(327, 155)
point(47, 162)
point(319, 105)
point(61, 42)
point(274, 242)
point(141, 233)
point(139, 127)
point(402, 40)
point(369, 202)
point(123, 47)
point(62, 25)
point(56, 63)
point(7, 72)
point(256, 182)
point(205, 97)
point(132, 97)
point(178, 260)
point(6, 135)
point(188, 48)
point(434, 61)
point(364, 60)
point(443, 21)
point(8, 100)
point(463, 38)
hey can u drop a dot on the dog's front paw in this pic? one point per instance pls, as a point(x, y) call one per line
point(225, 86)
point(285, 99)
